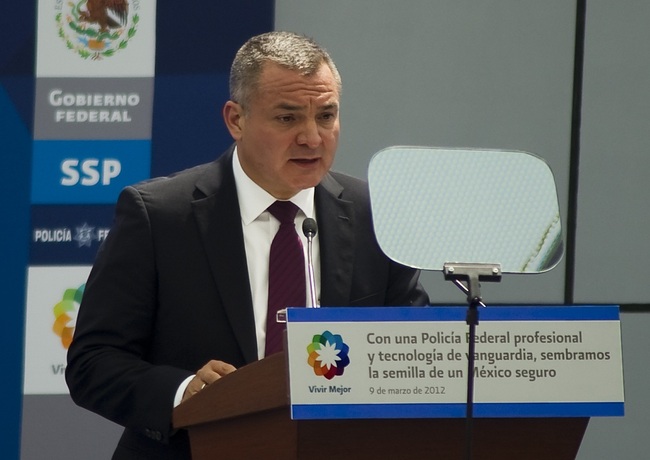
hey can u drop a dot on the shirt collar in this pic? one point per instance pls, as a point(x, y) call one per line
point(254, 200)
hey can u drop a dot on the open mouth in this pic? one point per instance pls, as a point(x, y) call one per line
point(305, 161)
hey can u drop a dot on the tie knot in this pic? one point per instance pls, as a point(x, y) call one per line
point(284, 211)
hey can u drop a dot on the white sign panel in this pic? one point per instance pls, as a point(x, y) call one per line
point(53, 298)
point(96, 39)
point(412, 362)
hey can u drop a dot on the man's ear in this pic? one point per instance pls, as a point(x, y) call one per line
point(233, 115)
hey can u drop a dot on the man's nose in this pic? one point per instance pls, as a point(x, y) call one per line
point(310, 135)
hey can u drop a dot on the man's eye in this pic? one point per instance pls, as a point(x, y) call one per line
point(286, 118)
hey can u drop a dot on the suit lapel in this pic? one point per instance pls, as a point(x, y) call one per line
point(219, 222)
point(336, 239)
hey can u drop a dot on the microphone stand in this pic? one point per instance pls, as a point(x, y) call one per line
point(472, 274)
point(309, 228)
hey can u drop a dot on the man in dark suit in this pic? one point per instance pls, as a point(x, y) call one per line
point(181, 281)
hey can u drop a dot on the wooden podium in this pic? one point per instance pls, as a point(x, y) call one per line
point(245, 415)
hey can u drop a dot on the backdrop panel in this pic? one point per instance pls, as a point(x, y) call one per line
point(86, 111)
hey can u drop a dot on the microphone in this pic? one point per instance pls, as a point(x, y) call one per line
point(309, 228)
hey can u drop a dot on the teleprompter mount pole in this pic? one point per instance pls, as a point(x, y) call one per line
point(472, 275)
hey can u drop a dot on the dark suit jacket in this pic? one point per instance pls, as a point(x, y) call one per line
point(170, 290)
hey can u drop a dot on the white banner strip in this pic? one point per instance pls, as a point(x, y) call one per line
point(412, 362)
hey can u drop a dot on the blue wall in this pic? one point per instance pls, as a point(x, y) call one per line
point(16, 100)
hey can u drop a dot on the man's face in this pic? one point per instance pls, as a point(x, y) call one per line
point(287, 137)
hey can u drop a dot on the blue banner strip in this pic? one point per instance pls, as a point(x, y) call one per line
point(87, 171)
point(492, 313)
point(457, 410)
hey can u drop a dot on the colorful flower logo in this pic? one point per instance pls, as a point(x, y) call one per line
point(328, 355)
point(64, 311)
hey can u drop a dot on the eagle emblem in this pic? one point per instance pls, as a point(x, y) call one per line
point(106, 13)
point(97, 29)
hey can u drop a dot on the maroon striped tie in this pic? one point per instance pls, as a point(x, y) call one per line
point(286, 272)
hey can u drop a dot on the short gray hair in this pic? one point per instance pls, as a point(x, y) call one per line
point(287, 49)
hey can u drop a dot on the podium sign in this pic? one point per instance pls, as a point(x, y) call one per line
point(402, 362)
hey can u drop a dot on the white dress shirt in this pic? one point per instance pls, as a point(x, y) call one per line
point(259, 228)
